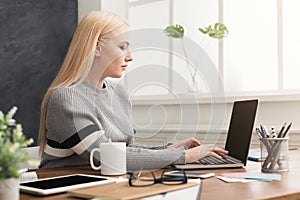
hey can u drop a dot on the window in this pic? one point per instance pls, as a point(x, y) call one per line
point(260, 52)
point(250, 50)
point(291, 41)
point(148, 73)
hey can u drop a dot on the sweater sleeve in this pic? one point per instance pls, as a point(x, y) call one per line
point(148, 159)
point(157, 147)
point(70, 126)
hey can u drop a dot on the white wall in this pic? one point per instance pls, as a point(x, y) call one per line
point(163, 119)
point(117, 6)
point(84, 6)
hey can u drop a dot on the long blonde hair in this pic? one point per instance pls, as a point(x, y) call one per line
point(95, 26)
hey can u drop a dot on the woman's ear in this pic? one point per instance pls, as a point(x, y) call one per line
point(98, 48)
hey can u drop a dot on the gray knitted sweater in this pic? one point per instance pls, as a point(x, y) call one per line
point(79, 118)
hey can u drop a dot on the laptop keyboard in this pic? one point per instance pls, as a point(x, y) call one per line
point(210, 160)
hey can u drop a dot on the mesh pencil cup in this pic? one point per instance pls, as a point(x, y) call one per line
point(274, 154)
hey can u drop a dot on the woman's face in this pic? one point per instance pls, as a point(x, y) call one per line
point(114, 54)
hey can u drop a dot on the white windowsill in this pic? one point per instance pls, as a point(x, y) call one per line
point(200, 128)
point(269, 96)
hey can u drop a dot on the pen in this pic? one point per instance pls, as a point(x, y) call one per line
point(287, 130)
point(273, 132)
point(293, 148)
point(276, 154)
point(281, 130)
point(259, 134)
point(263, 134)
point(277, 148)
point(266, 131)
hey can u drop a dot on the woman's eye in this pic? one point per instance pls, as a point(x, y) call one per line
point(123, 47)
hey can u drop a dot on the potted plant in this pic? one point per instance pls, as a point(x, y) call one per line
point(12, 154)
point(218, 31)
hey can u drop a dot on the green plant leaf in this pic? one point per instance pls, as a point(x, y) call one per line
point(12, 141)
point(204, 31)
point(175, 31)
point(218, 31)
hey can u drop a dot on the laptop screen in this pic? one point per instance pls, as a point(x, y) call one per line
point(241, 128)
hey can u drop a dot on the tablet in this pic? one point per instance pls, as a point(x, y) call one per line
point(191, 174)
point(61, 184)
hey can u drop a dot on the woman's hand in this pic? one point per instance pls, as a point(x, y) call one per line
point(196, 153)
point(187, 144)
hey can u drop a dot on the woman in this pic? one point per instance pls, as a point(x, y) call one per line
point(82, 109)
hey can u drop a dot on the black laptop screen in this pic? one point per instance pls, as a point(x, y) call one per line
point(241, 128)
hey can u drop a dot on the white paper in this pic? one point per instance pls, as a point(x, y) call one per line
point(28, 176)
point(235, 180)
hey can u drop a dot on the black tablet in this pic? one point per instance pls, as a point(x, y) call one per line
point(61, 184)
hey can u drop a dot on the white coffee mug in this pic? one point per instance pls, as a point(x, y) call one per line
point(112, 158)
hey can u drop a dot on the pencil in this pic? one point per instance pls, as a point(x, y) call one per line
point(281, 130)
point(287, 130)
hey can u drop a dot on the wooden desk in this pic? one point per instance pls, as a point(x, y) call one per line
point(213, 188)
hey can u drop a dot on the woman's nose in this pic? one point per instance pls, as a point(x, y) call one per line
point(128, 57)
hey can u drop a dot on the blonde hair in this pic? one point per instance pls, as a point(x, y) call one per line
point(95, 26)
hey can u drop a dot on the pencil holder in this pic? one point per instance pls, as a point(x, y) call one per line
point(274, 154)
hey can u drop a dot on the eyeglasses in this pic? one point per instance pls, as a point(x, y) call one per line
point(147, 178)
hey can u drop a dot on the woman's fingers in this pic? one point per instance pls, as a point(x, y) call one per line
point(214, 154)
point(187, 144)
point(195, 142)
point(196, 153)
point(191, 143)
point(218, 152)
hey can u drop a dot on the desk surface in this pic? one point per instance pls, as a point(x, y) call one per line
point(213, 188)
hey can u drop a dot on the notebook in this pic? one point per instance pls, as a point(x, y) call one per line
point(237, 141)
point(122, 191)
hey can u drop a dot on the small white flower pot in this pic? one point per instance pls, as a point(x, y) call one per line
point(9, 189)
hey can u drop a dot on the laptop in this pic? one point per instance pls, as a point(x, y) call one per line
point(237, 141)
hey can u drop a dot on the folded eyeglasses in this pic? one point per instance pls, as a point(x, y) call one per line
point(143, 178)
